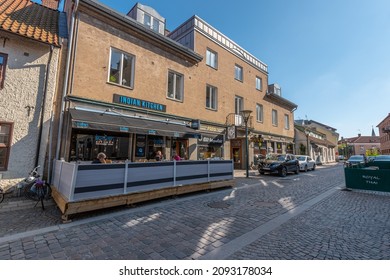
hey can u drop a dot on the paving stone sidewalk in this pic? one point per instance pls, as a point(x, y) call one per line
point(290, 213)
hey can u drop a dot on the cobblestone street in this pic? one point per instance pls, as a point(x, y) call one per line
point(299, 217)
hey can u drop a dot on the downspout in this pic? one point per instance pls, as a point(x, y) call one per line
point(43, 107)
point(66, 80)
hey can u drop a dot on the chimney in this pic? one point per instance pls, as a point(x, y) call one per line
point(52, 4)
point(359, 135)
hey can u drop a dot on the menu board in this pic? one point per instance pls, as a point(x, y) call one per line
point(140, 144)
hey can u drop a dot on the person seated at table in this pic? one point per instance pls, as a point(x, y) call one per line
point(176, 157)
point(101, 158)
point(159, 156)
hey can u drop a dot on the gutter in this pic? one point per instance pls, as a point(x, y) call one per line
point(38, 153)
point(66, 81)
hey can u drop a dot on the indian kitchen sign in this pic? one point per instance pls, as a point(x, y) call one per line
point(139, 103)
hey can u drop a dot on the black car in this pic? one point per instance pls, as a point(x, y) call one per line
point(279, 163)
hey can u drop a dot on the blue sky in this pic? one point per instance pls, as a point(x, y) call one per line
point(331, 58)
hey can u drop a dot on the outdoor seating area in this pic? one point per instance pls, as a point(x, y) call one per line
point(84, 187)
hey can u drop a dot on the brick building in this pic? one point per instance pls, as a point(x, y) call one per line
point(133, 88)
point(30, 36)
point(384, 135)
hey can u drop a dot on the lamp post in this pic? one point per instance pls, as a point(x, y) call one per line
point(307, 133)
point(245, 115)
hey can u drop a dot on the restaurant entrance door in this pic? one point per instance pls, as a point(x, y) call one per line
point(180, 147)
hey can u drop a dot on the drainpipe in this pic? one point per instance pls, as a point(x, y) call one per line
point(43, 108)
point(66, 81)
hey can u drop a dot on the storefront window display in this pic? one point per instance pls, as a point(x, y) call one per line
point(155, 143)
point(85, 147)
point(290, 148)
point(210, 146)
point(279, 148)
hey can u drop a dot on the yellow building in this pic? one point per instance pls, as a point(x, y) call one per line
point(131, 89)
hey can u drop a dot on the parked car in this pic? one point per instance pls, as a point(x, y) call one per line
point(279, 163)
point(381, 158)
point(341, 157)
point(306, 163)
point(356, 160)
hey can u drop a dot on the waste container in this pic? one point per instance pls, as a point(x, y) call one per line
point(375, 177)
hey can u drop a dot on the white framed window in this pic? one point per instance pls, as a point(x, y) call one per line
point(175, 86)
point(259, 83)
point(238, 73)
point(239, 105)
point(121, 68)
point(259, 112)
point(274, 117)
point(211, 59)
point(211, 97)
point(151, 22)
point(286, 122)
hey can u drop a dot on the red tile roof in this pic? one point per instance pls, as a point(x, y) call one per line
point(29, 19)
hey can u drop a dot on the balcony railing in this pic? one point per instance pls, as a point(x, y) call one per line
point(238, 120)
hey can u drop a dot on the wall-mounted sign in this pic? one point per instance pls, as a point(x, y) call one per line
point(135, 102)
point(81, 124)
point(231, 132)
point(195, 124)
point(216, 140)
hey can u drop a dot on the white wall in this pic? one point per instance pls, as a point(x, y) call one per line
point(24, 86)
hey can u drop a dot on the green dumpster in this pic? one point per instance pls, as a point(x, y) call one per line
point(374, 177)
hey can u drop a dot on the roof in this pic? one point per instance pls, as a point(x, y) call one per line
point(364, 139)
point(276, 99)
point(138, 29)
point(31, 20)
point(322, 142)
point(321, 124)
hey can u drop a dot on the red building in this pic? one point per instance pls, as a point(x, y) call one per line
point(384, 134)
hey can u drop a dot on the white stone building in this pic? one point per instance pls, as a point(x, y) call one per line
point(29, 56)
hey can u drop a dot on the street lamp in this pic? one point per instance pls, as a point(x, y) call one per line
point(307, 133)
point(245, 115)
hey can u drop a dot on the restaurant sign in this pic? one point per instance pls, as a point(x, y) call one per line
point(139, 103)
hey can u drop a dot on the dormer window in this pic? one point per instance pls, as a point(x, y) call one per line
point(151, 22)
point(149, 17)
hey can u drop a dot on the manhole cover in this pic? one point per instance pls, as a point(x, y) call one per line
point(218, 204)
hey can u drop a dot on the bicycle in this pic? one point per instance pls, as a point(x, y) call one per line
point(32, 188)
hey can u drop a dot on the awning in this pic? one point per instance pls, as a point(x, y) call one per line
point(321, 142)
point(106, 122)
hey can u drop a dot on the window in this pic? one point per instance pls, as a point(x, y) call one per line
point(238, 74)
point(5, 144)
point(211, 97)
point(258, 83)
point(3, 64)
point(259, 113)
point(175, 86)
point(121, 68)
point(151, 22)
point(274, 117)
point(212, 59)
point(239, 105)
point(286, 122)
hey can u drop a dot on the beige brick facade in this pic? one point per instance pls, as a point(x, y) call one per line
point(155, 56)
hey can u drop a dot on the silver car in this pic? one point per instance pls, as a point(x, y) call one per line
point(306, 163)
